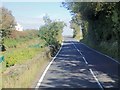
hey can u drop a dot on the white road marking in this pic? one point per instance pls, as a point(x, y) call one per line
point(43, 75)
point(80, 53)
point(101, 53)
point(85, 60)
point(96, 79)
point(89, 69)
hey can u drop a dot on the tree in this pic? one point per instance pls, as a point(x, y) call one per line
point(46, 19)
point(100, 23)
point(51, 31)
point(7, 24)
point(7, 21)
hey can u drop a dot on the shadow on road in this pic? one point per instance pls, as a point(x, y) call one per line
point(70, 71)
point(106, 70)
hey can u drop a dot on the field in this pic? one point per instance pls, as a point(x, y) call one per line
point(25, 57)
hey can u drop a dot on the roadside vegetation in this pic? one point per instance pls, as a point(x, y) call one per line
point(100, 22)
point(27, 52)
point(51, 32)
point(76, 33)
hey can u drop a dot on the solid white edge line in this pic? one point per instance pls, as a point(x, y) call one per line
point(101, 53)
point(90, 69)
point(45, 71)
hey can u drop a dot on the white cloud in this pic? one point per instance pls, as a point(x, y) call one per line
point(67, 31)
point(30, 22)
point(41, 15)
point(33, 0)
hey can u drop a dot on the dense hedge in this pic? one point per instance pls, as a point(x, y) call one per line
point(100, 23)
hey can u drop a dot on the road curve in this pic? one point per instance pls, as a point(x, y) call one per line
point(78, 66)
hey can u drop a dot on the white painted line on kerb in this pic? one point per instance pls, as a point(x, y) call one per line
point(43, 75)
point(89, 69)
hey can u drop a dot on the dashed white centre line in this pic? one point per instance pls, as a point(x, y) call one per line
point(43, 75)
point(91, 71)
point(96, 79)
point(85, 60)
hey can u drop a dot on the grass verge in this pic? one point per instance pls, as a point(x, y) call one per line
point(108, 48)
point(23, 75)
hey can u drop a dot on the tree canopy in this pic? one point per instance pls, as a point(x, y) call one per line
point(51, 32)
point(100, 22)
point(7, 21)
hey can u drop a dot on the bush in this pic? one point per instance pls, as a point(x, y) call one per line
point(20, 55)
point(110, 49)
point(51, 33)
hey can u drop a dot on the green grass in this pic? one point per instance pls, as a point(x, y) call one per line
point(13, 43)
point(21, 65)
point(108, 48)
point(19, 50)
point(28, 75)
point(10, 42)
point(20, 55)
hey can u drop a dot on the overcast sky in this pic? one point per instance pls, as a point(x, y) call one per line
point(29, 14)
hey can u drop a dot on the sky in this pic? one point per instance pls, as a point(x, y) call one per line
point(30, 14)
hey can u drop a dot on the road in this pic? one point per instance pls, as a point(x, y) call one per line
point(78, 66)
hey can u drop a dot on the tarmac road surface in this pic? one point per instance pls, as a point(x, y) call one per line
point(78, 66)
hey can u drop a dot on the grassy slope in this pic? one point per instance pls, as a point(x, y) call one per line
point(24, 60)
point(110, 49)
point(23, 75)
